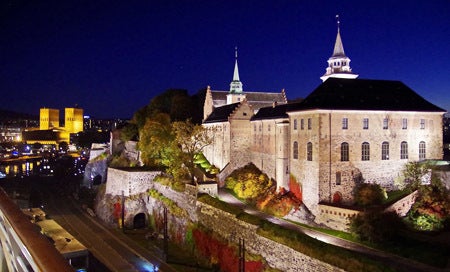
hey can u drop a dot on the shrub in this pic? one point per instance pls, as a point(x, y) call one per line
point(249, 183)
point(375, 226)
point(367, 194)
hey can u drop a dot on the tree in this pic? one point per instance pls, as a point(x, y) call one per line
point(367, 194)
point(376, 226)
point(156, 138)
point(431, 211)
point(191, 139)
point(129, 132)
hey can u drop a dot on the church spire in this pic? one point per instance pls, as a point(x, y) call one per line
point(236, 84)
point(338, 46)
point(338, 63)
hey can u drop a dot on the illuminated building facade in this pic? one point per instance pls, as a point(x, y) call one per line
point(347, 131)
point(50, 132)
point(48, 118)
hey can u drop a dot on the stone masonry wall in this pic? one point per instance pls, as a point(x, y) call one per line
point(276, 255)
point(222, 223)
point(129, 182)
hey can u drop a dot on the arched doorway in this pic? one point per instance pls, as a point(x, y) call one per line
point(337, 197)
point(139, 221)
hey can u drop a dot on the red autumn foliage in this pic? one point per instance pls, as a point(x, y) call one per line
point(222, 253)
point(295, 188)
point(117, 210)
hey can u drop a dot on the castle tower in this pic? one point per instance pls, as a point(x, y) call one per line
point(338, 63)
point(48, 118)
point(73, 120)
point(236, 91)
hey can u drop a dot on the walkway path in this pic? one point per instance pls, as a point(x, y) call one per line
point(398, 262)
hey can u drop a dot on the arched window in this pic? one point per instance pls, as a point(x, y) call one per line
point(344, 151)
point(365, 151)
point(309, 151)
point(295, 124)
point(385, 151)
point(295, 150)
point(422, 151)
point(404, 150)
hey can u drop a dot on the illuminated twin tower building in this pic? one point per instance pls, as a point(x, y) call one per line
point(50, 132)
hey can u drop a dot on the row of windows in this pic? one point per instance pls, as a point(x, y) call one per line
point(365, 151)
point(309, 151)
point(365, 124)
point(302, 124)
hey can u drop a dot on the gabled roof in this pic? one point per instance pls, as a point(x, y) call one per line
point(221, 114)
point(279, 111)
point(256, 99)
point(365, 94)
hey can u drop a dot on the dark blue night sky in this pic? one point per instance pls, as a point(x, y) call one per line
point(112, 57)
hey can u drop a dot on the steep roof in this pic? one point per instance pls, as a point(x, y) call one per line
point(279, 111)
point(365, 94)
point(256, 99)
point(338, 51)
point(221, 114)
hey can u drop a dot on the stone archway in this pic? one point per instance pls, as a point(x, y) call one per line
point(337, 197)
point(97, 180)
point(139, 221)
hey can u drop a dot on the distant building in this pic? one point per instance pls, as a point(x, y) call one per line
point(50, 132)
point(346, 131)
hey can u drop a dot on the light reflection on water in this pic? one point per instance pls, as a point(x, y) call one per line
point(17, 169)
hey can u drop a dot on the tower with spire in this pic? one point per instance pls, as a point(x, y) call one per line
point(236, 91)
point(236, 84)
point(338, 63)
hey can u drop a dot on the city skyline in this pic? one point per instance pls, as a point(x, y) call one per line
point(113, 58)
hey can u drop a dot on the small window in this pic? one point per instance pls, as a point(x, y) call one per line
point(254, 127)
point(338, 178)
point(422, 151)
point(295, 150)
point(245, 114)
point(344, 152)
point(268, 127)
point(404, 123)
point(422, 123)
point(309, 151)
point(344, 123)
point(295, 124)
point(366, 123)
point(302, 124)
point(365, 151)
point(404, 150)
point(309, 123)
point(385, 123)
point(260, 128)
point(385, 151)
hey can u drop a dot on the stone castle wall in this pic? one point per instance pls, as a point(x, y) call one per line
point(220, 222)
point(129, 182)
point(276, 255)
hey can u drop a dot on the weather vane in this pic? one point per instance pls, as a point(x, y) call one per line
point(337, 20)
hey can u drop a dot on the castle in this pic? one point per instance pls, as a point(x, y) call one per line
point(348, 130)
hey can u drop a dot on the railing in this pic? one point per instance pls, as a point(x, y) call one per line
point(24, 248)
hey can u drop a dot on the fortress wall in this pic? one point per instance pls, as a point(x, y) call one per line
point(276, 255)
